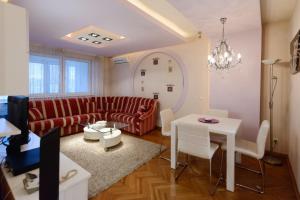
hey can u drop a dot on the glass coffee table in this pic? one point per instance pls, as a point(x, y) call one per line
point(107, 132)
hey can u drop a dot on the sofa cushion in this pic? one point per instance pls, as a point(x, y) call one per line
point(81, 119)
point(121, 117)
point(119, 104)
point(132, 105)
point(90, 107)
point(35, 114)
point(49, 109)
point(58, 108)
point(103, 103)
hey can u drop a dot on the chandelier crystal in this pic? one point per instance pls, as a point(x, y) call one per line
point(222, 56)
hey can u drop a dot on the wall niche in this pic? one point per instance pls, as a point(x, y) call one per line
point(164, 76)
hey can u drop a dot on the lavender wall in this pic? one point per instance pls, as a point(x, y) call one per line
point(238, 90)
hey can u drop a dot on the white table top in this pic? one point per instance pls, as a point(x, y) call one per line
point(15, 182)
point(225, 126)
point(8, 129)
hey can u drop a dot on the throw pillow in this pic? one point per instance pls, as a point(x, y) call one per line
point(35, 114)
point(143, 108)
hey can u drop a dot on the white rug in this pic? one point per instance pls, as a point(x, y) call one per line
point(109, 167)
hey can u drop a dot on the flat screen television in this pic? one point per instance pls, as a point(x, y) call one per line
point(17, 114)
point(295, 54)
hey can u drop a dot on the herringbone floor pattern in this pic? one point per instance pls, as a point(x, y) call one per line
point(155, 181)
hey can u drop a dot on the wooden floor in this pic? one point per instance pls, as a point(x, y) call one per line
point(155, 180)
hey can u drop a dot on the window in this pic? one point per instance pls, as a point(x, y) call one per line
point(58, 76)
point(44, 75)
point(77, 76)
point(3, 106)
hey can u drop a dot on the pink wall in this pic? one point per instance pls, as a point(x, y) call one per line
point(239, 89)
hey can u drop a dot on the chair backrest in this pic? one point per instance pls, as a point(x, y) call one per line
point(166, 116)
point(262, 138)
point(194, 140)
point(218, 113)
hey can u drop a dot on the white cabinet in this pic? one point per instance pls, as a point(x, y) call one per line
point(14, 50)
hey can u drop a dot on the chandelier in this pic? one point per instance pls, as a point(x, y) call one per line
point(223, 57)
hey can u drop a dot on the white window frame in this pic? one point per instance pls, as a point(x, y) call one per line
point(62, 92)
point(60, 78)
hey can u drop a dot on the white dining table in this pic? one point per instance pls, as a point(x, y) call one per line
point(226, 126)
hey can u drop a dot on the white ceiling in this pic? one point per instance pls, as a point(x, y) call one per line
point(277, 10)
point(205, 14)
point(52, 19)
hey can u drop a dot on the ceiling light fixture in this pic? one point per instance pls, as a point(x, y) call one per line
point(122, 37)
point(94, 35)
point(83, 38)
point(107, 39)
point(223, 57)
point(96, 42)
point(159, 17)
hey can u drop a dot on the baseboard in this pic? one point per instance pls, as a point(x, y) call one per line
point(294, 183)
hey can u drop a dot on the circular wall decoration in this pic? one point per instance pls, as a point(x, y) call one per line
point(161, 76)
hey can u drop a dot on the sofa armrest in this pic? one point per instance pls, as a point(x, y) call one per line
point(146, 115)
point(149, 113)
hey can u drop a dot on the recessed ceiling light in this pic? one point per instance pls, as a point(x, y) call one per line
point(94, 34)
point(107, 39)
point(83, 38)
point(96, 42)
point(122, 37)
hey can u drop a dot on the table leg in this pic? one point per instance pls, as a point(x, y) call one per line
point(230, 162)
point(173, 145)
point(238, 158)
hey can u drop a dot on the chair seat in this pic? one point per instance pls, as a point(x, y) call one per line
point(244, 147)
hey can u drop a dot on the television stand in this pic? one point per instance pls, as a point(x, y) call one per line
point(75, 188)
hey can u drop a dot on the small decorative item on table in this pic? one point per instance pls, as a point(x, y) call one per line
point(31, 183)
point(208, 120)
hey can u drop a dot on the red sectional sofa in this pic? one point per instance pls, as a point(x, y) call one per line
point(68, 113)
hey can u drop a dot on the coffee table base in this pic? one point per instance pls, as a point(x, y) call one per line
point(90, 134)
point(111, 139)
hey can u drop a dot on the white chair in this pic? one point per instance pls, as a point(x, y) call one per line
point(255, 150)
point(166, 116)
point(218, 139)
point(218, 113)
point(195, 140)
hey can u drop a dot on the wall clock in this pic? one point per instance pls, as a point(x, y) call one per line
point(164, 79)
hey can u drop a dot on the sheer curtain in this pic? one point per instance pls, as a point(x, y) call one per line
point(72, 74)
point(77, 77)
point(44, 75)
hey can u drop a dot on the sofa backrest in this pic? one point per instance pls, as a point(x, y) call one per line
point(60, 107)
point(119, 103)
point(103, 104)
point(63, 107)
point(130, 104)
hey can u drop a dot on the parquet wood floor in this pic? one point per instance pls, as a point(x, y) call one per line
point(155, 181)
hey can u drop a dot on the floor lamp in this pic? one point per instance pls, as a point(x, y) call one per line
point(271, 159)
